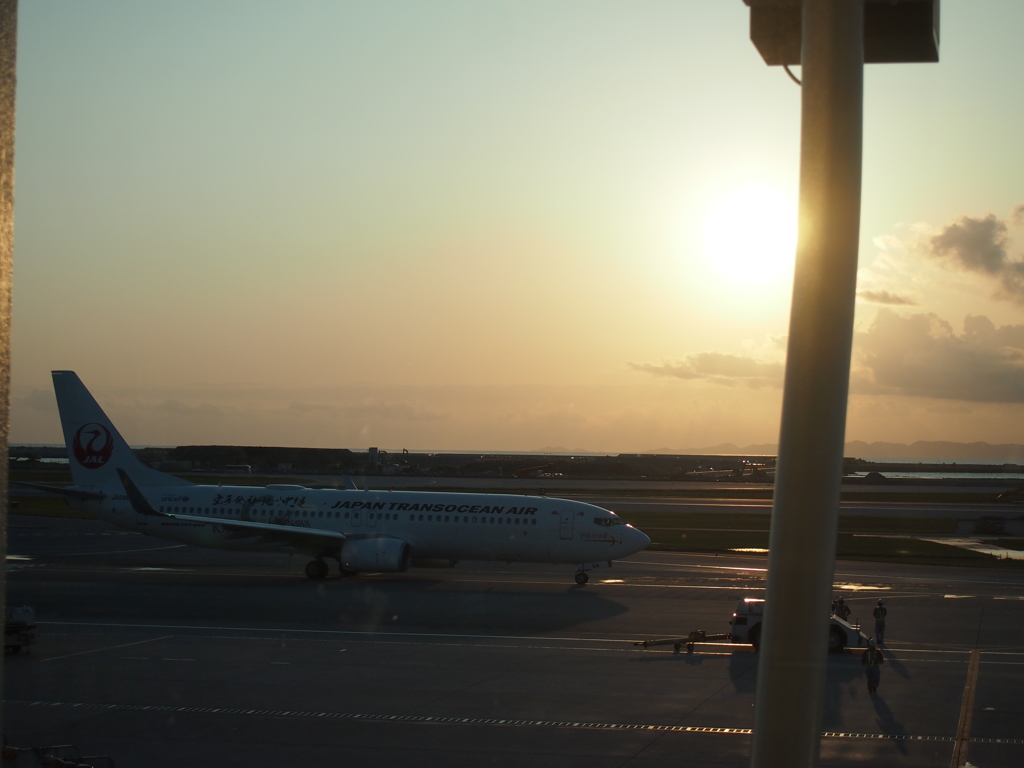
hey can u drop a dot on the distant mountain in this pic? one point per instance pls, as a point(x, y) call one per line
point(922, 449)
point(939, 449)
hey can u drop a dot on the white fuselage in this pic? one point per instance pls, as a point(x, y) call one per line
point(453, 526)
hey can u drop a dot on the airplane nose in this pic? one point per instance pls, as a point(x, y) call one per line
point(638, 540)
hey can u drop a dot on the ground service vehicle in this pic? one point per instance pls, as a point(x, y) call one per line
point(746, 627)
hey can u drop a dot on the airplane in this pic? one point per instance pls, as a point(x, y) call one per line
point(363, 530)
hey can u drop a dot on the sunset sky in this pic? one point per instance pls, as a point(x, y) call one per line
point(493, 225)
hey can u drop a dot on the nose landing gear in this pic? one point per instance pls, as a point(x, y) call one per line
point(581, 570)
point(316, 569)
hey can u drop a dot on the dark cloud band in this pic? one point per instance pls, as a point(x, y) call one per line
point(981, 245)
point(885, 297)
point(922, 355)
point(918, 355)
point(719, 368)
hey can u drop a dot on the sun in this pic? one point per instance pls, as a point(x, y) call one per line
point(750, 235)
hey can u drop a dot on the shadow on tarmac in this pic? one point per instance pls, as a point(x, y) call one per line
point(739, 662)
point(844, 682)
point(743, 671)
point(895, 664)
point(385, 605)
point(887, 721)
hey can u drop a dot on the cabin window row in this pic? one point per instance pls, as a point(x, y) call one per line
point(354, 515)
point(467, 518)
point(256, 512)
point(447, 518)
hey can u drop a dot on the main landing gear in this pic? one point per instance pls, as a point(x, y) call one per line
point(316, 569)
point(582, 577)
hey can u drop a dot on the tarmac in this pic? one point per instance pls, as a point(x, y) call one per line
point(165, 655)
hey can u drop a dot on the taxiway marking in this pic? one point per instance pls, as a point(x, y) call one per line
point(109, 648)
point(449, 720)
point(963, 731)
point(603, 643)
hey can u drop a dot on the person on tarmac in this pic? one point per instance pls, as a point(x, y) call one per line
point(879, 614)
point(872, 660)
point(840, 609)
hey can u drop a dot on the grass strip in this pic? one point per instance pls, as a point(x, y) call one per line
point(848, 547)
point(44, 506)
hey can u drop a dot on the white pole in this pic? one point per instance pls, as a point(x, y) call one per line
point(801, 562)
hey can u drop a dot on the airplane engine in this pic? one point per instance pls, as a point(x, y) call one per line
point(378, 555)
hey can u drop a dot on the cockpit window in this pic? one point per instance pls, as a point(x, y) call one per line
point(613, 520)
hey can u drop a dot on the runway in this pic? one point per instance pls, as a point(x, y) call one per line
point(164, 655)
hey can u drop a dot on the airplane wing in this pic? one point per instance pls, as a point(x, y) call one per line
point(73, 493)
point(284, 535)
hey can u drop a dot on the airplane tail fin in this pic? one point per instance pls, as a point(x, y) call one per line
point(95, 448)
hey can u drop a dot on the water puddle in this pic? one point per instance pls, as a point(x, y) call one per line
point(976, 545)
point(854, 587)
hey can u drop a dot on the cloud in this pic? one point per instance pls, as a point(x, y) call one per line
point(949, 409)
point(770, 346)
point(369, 410)
point(390, 412)
point(922, 355)
point(919, 355)
point(39, 400)
point(885, 297)
point(303, 408)
point(1018, 214)
point(177, 408)
point(975, 245)
point(981, 245)
point(719, 368)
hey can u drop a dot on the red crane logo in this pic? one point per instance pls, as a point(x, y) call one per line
point(93, 445)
